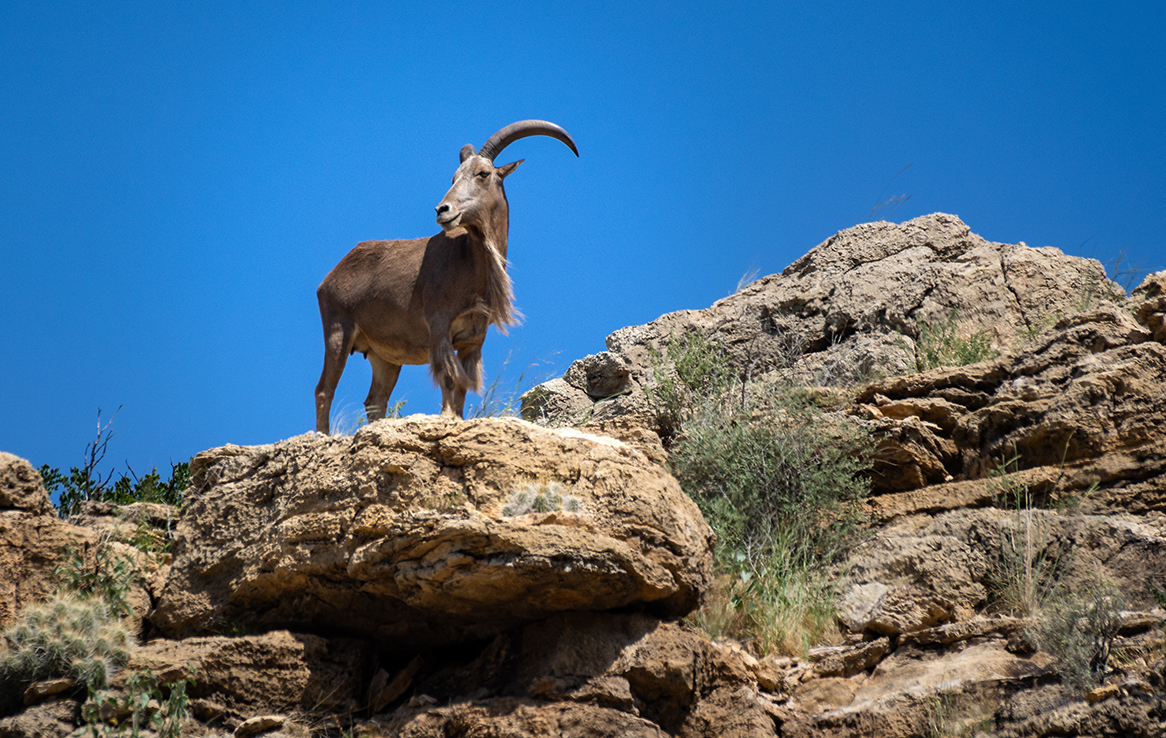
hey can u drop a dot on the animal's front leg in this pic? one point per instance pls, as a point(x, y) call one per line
point(447, 371)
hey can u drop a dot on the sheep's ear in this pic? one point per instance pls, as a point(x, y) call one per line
point(506, 169)
point(467, 151)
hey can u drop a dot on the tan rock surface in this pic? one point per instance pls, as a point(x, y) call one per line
point(246, 676)
point(398, 532)
point(21, 487)
point(32, 538)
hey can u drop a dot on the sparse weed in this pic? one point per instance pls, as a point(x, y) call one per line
point(446, 500)
point(1097, 287)
point(1078, 629)
point(891, 205)
point(779, 610)
point(535, 498)
point(952, 715)
point(499, 400)
point(691, 369)
point(940, 716)
point(940, 345)
point(1029, 566)
point(1124, 273)
point(109, 578)
point(1030, 332)
point(747, 279)
point(347, 420)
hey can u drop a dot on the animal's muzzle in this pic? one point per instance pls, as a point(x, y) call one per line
point(445, 216)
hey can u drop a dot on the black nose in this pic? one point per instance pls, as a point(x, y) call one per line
point(442, 208)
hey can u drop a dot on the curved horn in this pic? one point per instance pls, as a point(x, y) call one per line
point(522, 129)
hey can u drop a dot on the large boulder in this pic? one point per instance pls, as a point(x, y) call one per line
point(419, 532)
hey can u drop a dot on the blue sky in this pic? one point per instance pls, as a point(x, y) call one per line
point(177, 178)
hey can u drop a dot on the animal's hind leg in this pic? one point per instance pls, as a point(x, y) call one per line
point(337, 345)
point(384, 379)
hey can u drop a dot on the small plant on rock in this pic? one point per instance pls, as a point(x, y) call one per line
point(691, 369)
point(109, 578)
point(147, 704)
point(535, 498)
point(1032, 562)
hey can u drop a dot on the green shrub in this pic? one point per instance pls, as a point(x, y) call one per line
point(81, 484)
point(772, 478)
point(88, 483)
point(109, 578)
point(779, 483)
point(69, 636)
point(691, 369)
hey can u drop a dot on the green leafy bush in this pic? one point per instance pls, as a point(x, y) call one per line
point(80, 485)
point(690, 369)
point(109, 578)
point(773, 477)
point(146, 704)
point(88, 483)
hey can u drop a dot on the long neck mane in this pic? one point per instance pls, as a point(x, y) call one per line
point(499, 289)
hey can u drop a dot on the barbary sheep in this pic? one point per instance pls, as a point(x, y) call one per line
point(428, 300)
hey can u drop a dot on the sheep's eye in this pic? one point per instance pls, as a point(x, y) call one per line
point(484, 173)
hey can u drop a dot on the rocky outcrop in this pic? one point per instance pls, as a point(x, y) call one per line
point(850, 309)
point(402, 533)
point(427, 577)
point(1088, 389)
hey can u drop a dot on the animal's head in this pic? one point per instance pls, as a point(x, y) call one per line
point(477, 193)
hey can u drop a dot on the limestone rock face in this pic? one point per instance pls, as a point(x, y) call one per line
point(401, 533)
point(1082, 407)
